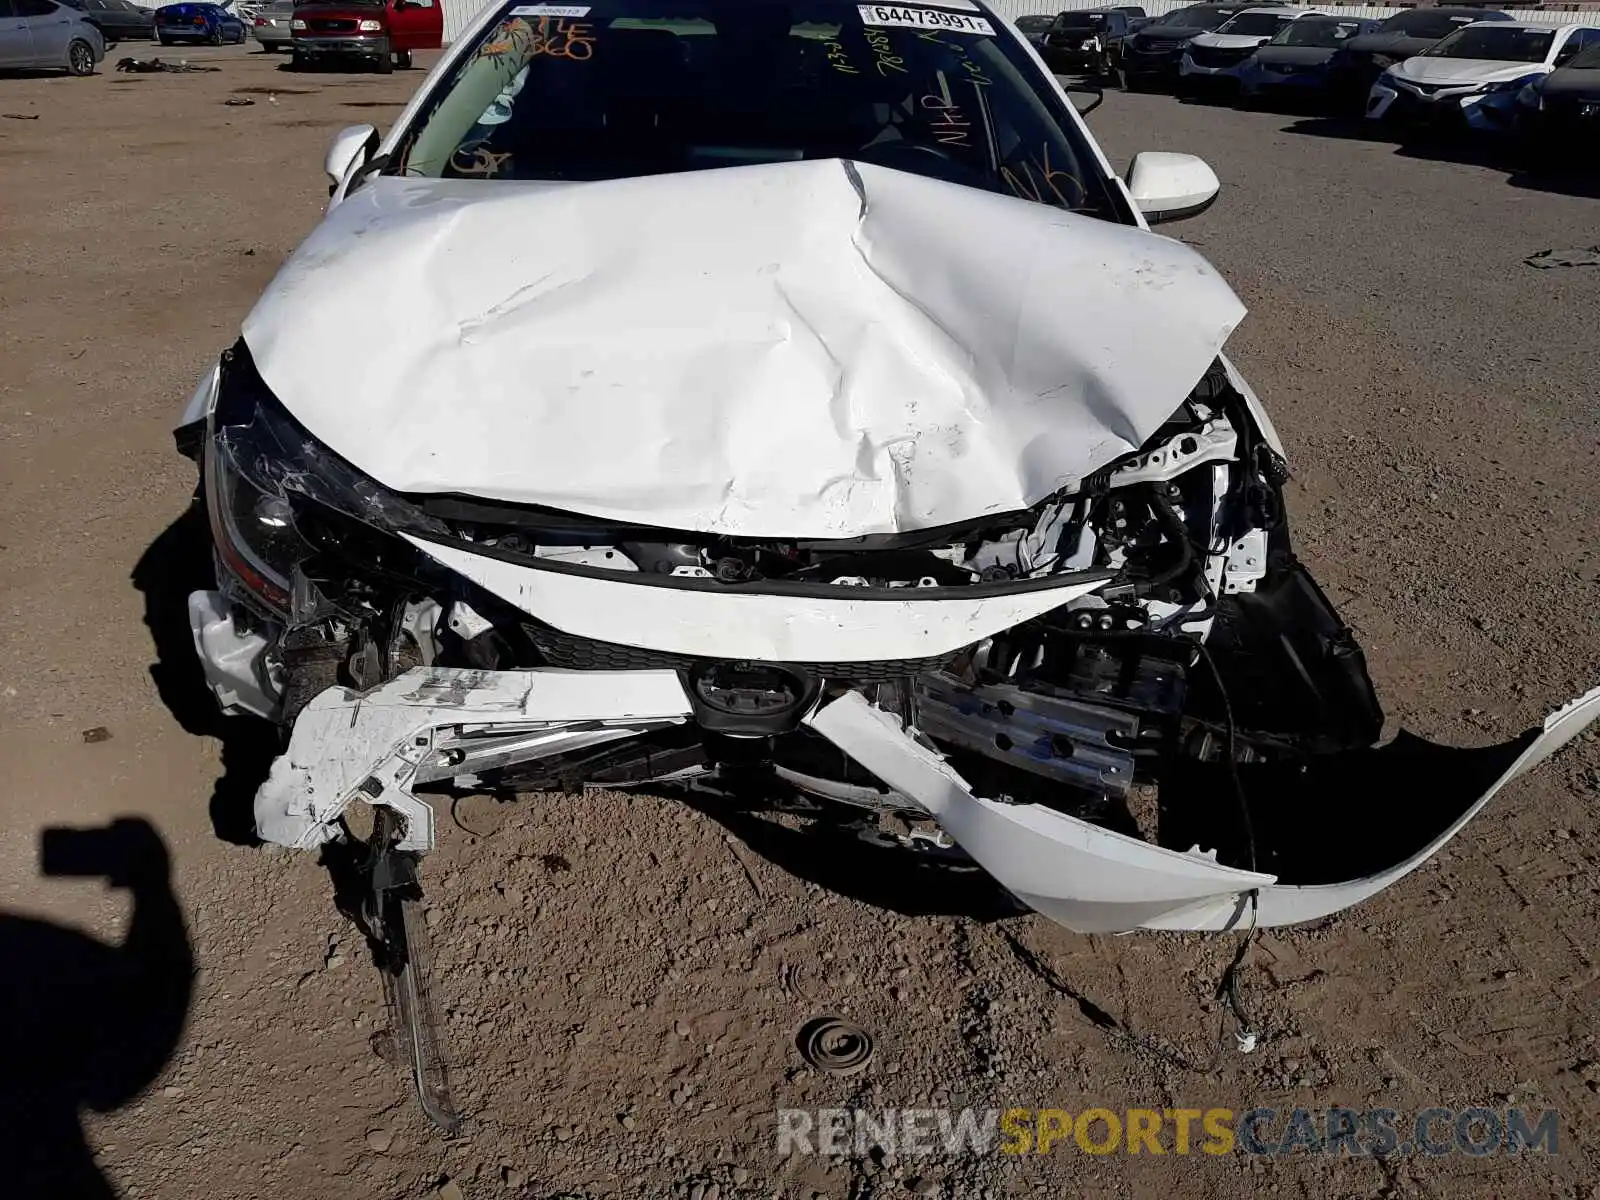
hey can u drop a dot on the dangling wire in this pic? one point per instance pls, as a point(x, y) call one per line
point(1245, 1034)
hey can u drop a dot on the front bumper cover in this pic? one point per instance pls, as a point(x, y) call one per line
point(432, 724)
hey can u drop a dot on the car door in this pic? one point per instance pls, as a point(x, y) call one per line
point(121, 20)
point(50, 27)
point(415, 24)
point(102, 16)
point(1116, 31)
point(16, 45)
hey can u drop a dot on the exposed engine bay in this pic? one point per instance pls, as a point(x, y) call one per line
point(1192, 627)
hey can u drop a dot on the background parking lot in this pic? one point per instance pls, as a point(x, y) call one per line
point(1438, 399)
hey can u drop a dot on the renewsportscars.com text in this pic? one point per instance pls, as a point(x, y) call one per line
point(1373, 1132)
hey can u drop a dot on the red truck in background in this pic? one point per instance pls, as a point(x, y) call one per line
point(381, 32)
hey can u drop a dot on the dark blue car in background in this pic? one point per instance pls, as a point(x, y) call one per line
point(206, 23)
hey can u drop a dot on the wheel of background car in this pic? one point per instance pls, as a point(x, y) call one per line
point(80, 57)
point(164, 39)
point(385, 63)
point(403, 59)
point(214, 38)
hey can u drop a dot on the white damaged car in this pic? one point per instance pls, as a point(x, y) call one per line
point(1472, 78)
point(787, 403)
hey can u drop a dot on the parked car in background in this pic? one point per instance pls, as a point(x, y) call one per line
point(1088, 40)
point(383, 33)
point(117, 20)
point(1034, 27)
point(1358, 64)
point(271, 25)
point(207, 23)
point(1214, 58)
point(1558, 117)
point(44, 35)
point(1151, 56)
point(1295, 63)
point(1472, 77)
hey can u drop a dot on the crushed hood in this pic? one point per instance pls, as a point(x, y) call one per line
point(809, 349)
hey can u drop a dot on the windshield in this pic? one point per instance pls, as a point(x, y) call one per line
point(1495, 42)
point(1034, 24)
point(1255, 24)
point(645, 87)
point(1311, 32)
point(1081, 20)
point(1202, 17)
point(1422, 24)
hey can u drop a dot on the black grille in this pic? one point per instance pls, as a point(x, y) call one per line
point(331, 24)
point(1150, 45)
point(573, 653)
point(1215, 57)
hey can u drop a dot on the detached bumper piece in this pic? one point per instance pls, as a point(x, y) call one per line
point(1330, 831)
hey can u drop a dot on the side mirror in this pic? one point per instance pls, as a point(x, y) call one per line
point(1171, 187)
point(350, 146)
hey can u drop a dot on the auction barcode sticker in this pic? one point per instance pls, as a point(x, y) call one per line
point(922, 18)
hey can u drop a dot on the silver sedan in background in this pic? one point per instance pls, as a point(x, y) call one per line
point(42, 33)
point(271, 25)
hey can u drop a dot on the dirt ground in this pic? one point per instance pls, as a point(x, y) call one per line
point(623, 976)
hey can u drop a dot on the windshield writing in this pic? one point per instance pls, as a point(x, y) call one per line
point(641, 87)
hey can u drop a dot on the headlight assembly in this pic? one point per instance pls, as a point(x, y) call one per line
point(264, 473)
point(1509, 85)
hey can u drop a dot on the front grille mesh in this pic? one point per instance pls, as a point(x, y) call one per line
point(573, 653)
point(1214, 57)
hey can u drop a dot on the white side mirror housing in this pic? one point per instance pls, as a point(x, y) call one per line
point(1171, 187)
point(350, 146)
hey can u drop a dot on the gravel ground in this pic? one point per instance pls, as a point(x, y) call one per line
point(1438, 400)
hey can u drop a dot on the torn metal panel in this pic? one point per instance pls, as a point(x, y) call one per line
point(798, 349)
point(235, 663)
point(374, 745)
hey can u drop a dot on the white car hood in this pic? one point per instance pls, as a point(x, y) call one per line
point(1231, 41)
point(1464, 70)
point(809, 349)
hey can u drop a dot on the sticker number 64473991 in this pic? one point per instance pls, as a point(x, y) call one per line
point(923, 18)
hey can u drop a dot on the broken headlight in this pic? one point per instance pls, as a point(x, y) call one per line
point(264, 471)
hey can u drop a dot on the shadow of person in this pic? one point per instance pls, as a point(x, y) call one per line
point(176, 563)
point(84, 1024)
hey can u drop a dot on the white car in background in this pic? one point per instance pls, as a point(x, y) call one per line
point(1471, 78)
point(1221, 54)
